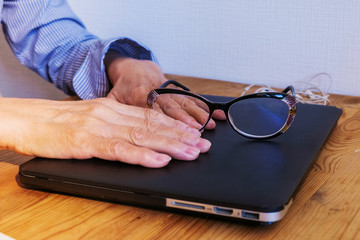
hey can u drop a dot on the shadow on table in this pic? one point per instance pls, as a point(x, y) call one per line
point(14, 158)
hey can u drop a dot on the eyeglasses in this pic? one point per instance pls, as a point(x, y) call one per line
point(259, 115)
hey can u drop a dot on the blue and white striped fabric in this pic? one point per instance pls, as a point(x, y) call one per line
point(48, 37)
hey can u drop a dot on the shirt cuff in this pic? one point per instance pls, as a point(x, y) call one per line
point(90, 81)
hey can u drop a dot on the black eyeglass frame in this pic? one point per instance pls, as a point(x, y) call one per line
point(289, 99)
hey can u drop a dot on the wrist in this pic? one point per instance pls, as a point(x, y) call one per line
point(115, 65)
point(10, 113)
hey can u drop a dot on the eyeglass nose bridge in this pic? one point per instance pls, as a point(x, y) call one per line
point(219, 106)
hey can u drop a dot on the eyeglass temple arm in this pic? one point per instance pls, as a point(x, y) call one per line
point(167, 83)
point(289, 88)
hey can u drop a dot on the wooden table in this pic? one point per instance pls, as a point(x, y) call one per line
point(327, 206)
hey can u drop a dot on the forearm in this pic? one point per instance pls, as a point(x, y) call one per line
point(15, 121)
point(7, 118)
point(52, 41)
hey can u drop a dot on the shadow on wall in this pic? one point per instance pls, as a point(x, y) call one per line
point(19, 81)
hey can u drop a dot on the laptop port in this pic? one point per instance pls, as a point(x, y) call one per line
point(250, 215)
point(187, 205)
point(223, 211)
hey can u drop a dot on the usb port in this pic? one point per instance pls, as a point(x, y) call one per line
point(250, 215)
point(223, 211)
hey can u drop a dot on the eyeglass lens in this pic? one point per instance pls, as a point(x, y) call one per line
point(259, 116)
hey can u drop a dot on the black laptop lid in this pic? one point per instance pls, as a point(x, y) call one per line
point(259, 175)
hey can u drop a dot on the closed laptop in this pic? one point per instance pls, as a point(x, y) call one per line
point(239, 178)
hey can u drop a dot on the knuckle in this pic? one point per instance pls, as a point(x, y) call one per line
point(182, 101)
point(182, 136)
point(152, 116)
point(125, 152)
point(149, 114)
point(168, 107)
point(115, 148)
point(139, 136)
point(152, 125)
point(177, 124)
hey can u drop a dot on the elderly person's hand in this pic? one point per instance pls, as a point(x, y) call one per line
point(100, 128)
point(133, 79)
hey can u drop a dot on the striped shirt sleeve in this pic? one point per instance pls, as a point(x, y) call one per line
point(48, 37)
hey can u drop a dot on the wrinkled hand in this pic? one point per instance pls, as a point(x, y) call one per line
point(187, 109)
point(133, 79)
point(100, 128)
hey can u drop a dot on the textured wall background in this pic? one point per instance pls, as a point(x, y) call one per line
point(261, 41)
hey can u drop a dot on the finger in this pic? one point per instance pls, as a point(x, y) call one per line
point(163, 131)
point(195, 108)
point(157, 108)
point(114, 112)
point(176, 107)
point(156, 142)
point(179, 114)
point(119, 150)
point(219, 115)
point(211, 124)
point(112, 95)
point(191, 139)
point(169, 121)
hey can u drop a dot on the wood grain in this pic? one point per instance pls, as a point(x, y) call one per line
point(327, 206)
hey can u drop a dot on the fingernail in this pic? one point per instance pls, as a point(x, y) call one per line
point(192, 152)
point(203, 144)
point(163, 158)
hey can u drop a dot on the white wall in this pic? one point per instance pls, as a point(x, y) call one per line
point(260, 41)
